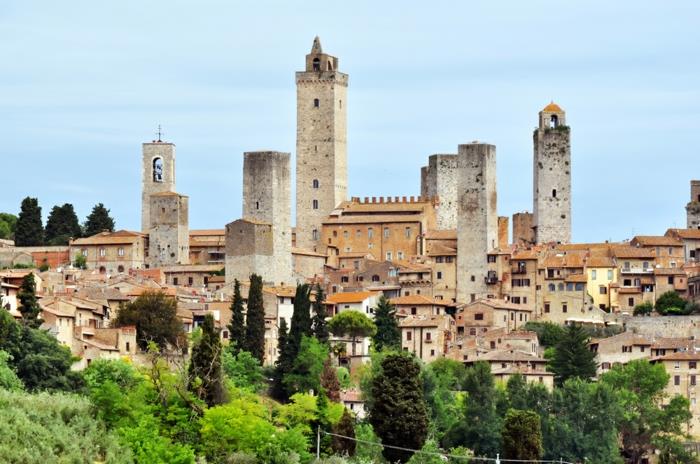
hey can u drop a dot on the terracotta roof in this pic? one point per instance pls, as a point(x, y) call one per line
point(524, 255)
point(656, 240)
point(672, 343)
point(354, 207)
point(110, 238)
point(630, 290)
point(600, 261)
point(688, 234)
point(138, 291)
point(511, 355)
point(371, 219)
point(192, 268)
point(438, 249)
point(425, 321)
point(576, 278)
point(679, 356)
point(281, 291)
point(417, 300)
point(499, 304)
point(450, 234)
point(302, 251)
point(626, 251)
point(668, 271)
point(552, 108)
point(350, 297)
point(166, 194)
point(199, 232)
point(522, 370)
point(351, 396)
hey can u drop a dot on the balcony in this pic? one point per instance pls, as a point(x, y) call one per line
point(637, 270)
point(518, 270)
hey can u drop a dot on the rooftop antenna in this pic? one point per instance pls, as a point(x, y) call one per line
point(160, 133)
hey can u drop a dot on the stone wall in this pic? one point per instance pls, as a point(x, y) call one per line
point(169, 237)
point(523, 232)
point(151, 184)
point(477, 231)
point(439, 179)
point(693, 207)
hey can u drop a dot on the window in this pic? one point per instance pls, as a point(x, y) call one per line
point(515, 300)
point(594, 274)
point(670, 280)
point(158, 170)
point(610, 274)
point(345, 234)
point(564, 307)
point(388, 255)
point(546, 307)
point(103, 252)
point(120, 268)
point(603, 290)
point(314, 234)
point(174, 280)
point(676, 380)
point(491, 258)
point(472, 331)
point(554, 193)
point(569, 286)
point(315, 204)
point(627, 265)
point(370, 233)
point(344, 279)
point(439, 275)
point(428, 336)
point(692, 364)
point(84, 252)
point(692, 381)
point(677, 365)
point(190, 281)
point(630, 302)
point(560, 287)
point(580, 286)
point(414, 311)
point(317, 103)
point(386, 232)
point(432, 352)
point(551, 287)
point(408, 232)
point(408, 336)
point(314, 183)
point(120, 251)
point(316, 64)
point(479, 316)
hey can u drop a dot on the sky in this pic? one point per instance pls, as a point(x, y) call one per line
point(84, 83)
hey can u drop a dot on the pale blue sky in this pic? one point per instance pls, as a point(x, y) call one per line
point(84, 83)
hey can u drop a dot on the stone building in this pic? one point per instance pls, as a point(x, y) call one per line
point(552, 177)
point(112, 252)
point(322, 177)
point(439, 179)
point(693, 207)
point(523, 232)
point(261, 241)
point(158, 175)
point(477, 231)
point(168, 233)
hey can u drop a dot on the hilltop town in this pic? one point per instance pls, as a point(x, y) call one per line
point(469, 282)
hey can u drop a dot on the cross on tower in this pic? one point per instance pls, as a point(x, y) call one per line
point(159, 133)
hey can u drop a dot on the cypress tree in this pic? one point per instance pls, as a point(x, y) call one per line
point(204, 373)
point(99, 220)
point(319, 326)
point(255, 320)
point(28, 304)
point(237, 327)
point(301, 319)
point(346, 428)
point(283, 363)
point(62, 225)
point(329, 381)
point(398, 413)
point(388, 334)
point(572, 357)
point(29, 230)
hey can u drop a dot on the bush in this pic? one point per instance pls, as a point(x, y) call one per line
point(643, 309)
point(669, 300)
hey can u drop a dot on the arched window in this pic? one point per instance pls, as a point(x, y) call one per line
point(317, 103)
point(314, 234)
point(375, 278)
point(315, 204)
point(103, 270)
point(316, 64)
point(314, 183)
point(120, 268)
point(158, 170)
point(561, 287)
point(553, 121)
point(551, 287)
point(554, 193)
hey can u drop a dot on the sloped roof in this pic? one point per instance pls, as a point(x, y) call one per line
point(350, 297)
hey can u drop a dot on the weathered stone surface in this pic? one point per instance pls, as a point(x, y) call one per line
point(439, 179)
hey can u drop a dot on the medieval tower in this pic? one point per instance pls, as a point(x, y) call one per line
point(477, 218)
point(168, 233)
point(322, 177)
point(157, 174)
point(261, 241)
point(439, 179)
point(693, 207)
point(552, 177)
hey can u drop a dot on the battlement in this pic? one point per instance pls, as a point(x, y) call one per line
point(403, 199)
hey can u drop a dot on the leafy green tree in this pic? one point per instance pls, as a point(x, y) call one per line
point(398, 414)
point(62, 225)
point(154, 314)
point(643, 309)
point(668, 300)
point(29, 230)
point(243, 370)
point(388, 334)
point(80, 261)
point(62, 427)
point(649, 416)
point(98, 221)
point(305, 374)
point(441, 381)
point(28, 303)
point(572, 358)
point(319, 325)
point(329, 381)
point(522, 436)
point(204, 372)
point(8, 223)
point(353, 324)
point(255, 320)
point(236, 327)
point(8, 378)
point(344, 428)
point(480, 429)
point(548, 333)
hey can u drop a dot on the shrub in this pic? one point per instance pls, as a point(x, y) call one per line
point(643, 309)
point(670, 299)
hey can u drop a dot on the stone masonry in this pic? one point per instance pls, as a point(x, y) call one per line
point(158, 175)
point(523, 232)
point(552, 177)
point(693, 207)
point(477, 218)
point(439, 179)
point(169, 233)
point(261, 241)
point(322, 178)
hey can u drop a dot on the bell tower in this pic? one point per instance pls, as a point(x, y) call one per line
point(322, 178)
point(157, 175)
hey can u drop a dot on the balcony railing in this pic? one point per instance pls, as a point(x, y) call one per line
point(637, 270)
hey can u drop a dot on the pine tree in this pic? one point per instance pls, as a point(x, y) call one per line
point(283, 364)
point(319, 325)
point(29, 230)
point(301, 318)
point(345, 428)
point(398, 413)
point(28, 304)
point(329, 381)
point(388, 335)
point(204, 373)
point(236, 327)
point(99, 220)
point(572, 357)
point(255, 320)
point(62, 225)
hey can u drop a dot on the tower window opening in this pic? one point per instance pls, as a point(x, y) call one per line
point(315, 204)
point(316, 64)
point(315, 183)
point(257, 205)
point(314, 234)
point(554, 121)
point(317, 103)
point(330, 65)
point(554, 193)
point(158, 170)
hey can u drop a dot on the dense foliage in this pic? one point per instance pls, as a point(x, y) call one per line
point(98, 221)
point(29, 229)
point(205, 379)
point(255, 319)
point(236, 327)
point(388, 334)
point(572, 357)
point(154, 314)
point(62, 225)
point(8, 224)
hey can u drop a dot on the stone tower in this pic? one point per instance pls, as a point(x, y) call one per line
point(477, 218)
point(158, 175)
point(169, 233)
point(322, 178)
point(439, 178)
point(261, 241)
point(693, 207)
point(552, 177)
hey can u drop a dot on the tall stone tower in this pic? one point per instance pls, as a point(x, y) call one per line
point(439, 178)
point(477, 218)
point(322, 178)
point(552, 177)
point(169, 233)
point(693, 207)
point(261, 241)
point(158, 175)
